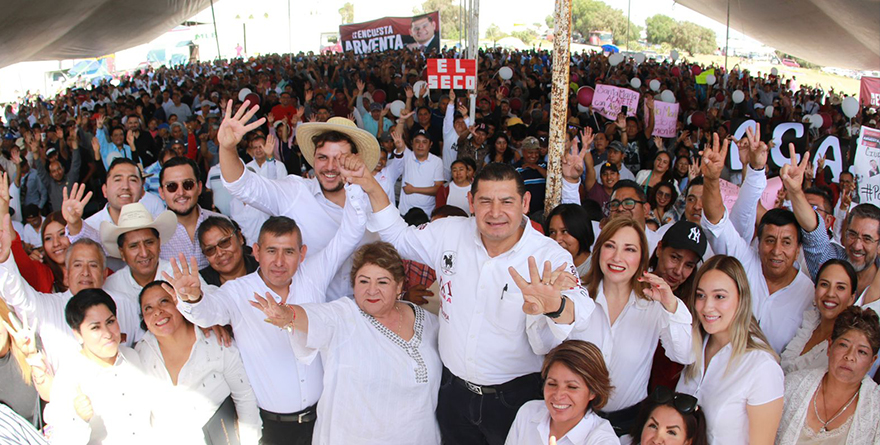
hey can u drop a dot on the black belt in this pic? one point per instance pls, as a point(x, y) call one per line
point(305, 416)
point(518, 382)
point(621, 419)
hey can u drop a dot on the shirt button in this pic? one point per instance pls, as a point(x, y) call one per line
point(303, 381)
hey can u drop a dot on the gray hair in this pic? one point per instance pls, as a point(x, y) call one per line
point(86, 242)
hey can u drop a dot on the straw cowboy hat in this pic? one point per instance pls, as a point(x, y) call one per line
point(132, 217)
point(367, 145)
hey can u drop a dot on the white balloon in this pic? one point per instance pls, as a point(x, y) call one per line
point(654, 84)
point(396, 107)
point(816, 121)
point(505, 73)
point(640, 57)
point(738, 96)
point(615, 59)
point(673, 55)
point(768, 111)
point(850, 106)
point(710, 79)
point(418, 86)
point(774, 71)
point(667, 96)
point(635, 82)
point(583, 109)
point(243, 93)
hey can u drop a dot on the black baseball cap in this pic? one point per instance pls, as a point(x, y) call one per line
point(686, 235)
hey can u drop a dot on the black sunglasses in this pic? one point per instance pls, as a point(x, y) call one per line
point(188, 185)
point(683, 403)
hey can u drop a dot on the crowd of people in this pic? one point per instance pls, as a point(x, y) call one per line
point(269, 244)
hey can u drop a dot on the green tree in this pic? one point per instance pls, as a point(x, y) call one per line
point(449, 14)
point(660, 28)
point(693, 38)
point(494, 33)
point(527, 35)
point(346, 12)
point(550, 21)
point(594, 15)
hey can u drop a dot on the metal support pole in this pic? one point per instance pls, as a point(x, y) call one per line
point(473, 42)
point(558, 103)
point(628, 11)
point(244, 33)
point(727, 38)
point(216, 35)
point(289, 35)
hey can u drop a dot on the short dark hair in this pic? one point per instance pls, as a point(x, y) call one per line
point(150, 285)
point(123, 161)
point(864, 320)
point(447, 211)
point(629, 183)
point(176, 162)
point(577, 223)
point(847, 267)
point(75, 310)
point(826, 197)
point(221, 223)
point(697, 181)
point(780, 218)
point(423, 16)
point(280, 226)
point(497, 171)
point(120, 240)
point(865, 210)
point(333, 136)
point(416, 217)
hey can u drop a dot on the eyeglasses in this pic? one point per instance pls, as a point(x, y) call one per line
point(627, 204)
point(683, 403)
point(172, 187)
point(224, 243)
point(820, 209)
point(852, 236)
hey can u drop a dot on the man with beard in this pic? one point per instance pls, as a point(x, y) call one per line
point(180, 187)
point(316, 204)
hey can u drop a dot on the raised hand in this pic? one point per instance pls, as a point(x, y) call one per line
point(185, 283)
point(659, 290)
point(587, 137)
point(573, 162)
point(405, 116)
point(353, 170)
point(4, 193)
point(129, 139)
point(539, 295)
point(658, 142)
point(409, 92)
point(23, 334)
point(233, 128)
point(269, 145)
point(280, 315)
point(7, 234)
point(713, 158)
point(83, 405)
point(360, 86)
point(758, 150)
point(792, 174)
point(73, 204)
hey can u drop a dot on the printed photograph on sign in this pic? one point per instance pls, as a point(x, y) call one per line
point(867, 165)
point(421, 32)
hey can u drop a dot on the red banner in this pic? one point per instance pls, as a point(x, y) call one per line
point(392, 33)
point(457, 74)
point(869, 94)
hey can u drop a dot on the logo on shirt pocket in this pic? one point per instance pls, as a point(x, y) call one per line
point(447, 265)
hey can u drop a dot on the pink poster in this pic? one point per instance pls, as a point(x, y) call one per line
point(608, 101)
point(665, 119)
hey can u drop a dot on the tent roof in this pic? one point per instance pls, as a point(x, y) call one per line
point(838, 33)
point(70, 29)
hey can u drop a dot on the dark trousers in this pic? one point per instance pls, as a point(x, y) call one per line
point(287, 433)
point(467, 418)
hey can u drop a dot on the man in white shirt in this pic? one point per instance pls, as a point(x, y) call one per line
point(422, 175)
point(286, 389)
point(315, 204)
point(455, 126)
point(249, 218)
point(780, 292)
point(494, 327)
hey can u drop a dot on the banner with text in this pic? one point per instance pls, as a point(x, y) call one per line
point(608, 101)
point(458, 74)
point(665, 119)
point(869, 92)
point(392, 33)
point(867, 165)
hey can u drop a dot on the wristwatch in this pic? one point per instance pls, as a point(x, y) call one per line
point(558, 311)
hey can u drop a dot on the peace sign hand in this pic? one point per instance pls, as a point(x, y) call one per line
point(792, 174)
point(758, 150)
point(573, 162)
point(233, 128)
point(280, 315)
point(185, 283)
point(24, 335)
point(539, 295)
point(713, 158)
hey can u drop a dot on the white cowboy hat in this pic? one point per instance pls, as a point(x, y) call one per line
point(132, 217)
point(367, 145)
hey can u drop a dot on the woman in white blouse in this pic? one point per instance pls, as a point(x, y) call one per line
point(576, 383)
point(634, 310)
point(194, 373)
point(736, 376)
point(381, 364)
point(838, 404)
point(835, 291)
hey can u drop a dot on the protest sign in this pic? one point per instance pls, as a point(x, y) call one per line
point(729, 193)
point(768, 197)
point(665, 119)
point(829, 147)
point(459, 74)
point(392, 33)
point(869, 92)
point(608, 100)
point(867, 165)
point(701, 78)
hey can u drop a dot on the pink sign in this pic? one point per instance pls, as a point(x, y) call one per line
point(729, 193)
point(608, 101)
point(768, 198)
point(665, 119)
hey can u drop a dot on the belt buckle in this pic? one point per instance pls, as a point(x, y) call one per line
point(477, 389)
point(299, 417)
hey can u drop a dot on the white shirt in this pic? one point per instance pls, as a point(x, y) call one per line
point(121, 395)
point(222, 198)
point(450, 141)
point(532, 427)
point(780, 314)
point(211, 374)
point(458, 197)
point(628, 345)
point(281, 383)
point(270, 169)
point(303, 201)
point(388, 176)
point(249, 219)
point(420, 174)
point(395, 382)
point(59, 343)
point(817, 357)
point(31, 236)
point(724, 391)
point(123, 284)
point(485, 337)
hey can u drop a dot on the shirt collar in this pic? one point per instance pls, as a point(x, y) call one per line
point(576, 435)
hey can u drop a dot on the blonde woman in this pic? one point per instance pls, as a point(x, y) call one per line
point(736, 376)
point(22, 383)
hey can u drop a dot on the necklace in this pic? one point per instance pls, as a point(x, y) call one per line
point(824, 428)
point(399, 320)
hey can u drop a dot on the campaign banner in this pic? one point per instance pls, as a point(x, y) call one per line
point(867, 165)
point(458, 74)
point(665, 119)
point(869, 92)
point(608, 101)
point(392, 33)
